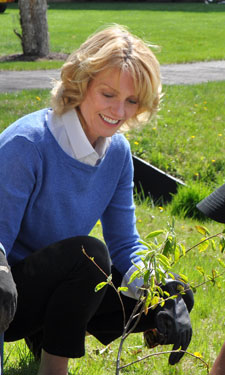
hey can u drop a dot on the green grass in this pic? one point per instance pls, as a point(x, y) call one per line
point(188, 139)
point(19, 103)
point(185, 32)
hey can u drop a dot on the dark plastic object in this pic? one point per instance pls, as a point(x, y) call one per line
point(151, 181)
point(3, 8)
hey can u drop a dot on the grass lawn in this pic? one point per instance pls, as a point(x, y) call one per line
point(187, 141)
point(185, 32)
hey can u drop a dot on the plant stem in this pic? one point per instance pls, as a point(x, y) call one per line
point(110, 283)
point(165, 352)
point(199, 243)
point(126, 332)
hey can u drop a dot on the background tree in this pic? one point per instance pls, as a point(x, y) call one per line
point(33, 20)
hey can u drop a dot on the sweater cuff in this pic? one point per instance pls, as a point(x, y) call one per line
point(133, 288)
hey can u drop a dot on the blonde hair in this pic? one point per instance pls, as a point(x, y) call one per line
point(112, 47)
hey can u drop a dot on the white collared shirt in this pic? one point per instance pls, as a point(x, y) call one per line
point(70, 135)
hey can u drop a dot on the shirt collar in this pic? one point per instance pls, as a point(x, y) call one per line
point(78, 140)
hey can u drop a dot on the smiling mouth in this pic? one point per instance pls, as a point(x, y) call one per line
point(109, 120)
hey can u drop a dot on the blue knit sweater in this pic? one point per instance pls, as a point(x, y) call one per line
point(47, 196)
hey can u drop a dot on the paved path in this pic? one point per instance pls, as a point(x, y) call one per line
point(190, 73)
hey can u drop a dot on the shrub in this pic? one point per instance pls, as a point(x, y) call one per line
point(183, 203)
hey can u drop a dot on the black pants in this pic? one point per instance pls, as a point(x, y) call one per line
point(56, 296)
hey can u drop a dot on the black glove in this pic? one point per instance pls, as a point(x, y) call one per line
point(187, 296)
point(8, 294)
point(173, 321)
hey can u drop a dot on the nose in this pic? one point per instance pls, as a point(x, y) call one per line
point(118, 109)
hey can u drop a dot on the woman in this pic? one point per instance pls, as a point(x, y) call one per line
point(63, 169)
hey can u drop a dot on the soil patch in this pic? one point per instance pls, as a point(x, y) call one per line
point(22, 57)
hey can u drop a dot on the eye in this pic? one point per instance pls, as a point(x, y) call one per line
point(107, 95)
point(132, 101)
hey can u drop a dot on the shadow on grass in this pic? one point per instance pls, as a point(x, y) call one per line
point(30, 368)
point(172, 6)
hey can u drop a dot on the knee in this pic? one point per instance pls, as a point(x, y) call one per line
point(78, 249)
point(96, 250)
point(68, 256)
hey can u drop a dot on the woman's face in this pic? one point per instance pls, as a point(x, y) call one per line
point(109, 102)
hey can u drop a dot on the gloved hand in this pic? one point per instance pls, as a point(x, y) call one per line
point(172, 287)
point(8, 294)
point(173, 321)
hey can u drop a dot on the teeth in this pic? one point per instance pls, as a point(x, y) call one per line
point(111, 121)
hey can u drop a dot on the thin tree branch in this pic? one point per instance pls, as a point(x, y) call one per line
point(166, 352)
point(199, 243)
point(110, 283)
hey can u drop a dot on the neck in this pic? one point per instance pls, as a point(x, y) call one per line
point(84, 127)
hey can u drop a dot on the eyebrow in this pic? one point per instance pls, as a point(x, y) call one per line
point(110, 87)
point(115, 90)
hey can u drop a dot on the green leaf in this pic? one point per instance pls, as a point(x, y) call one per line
point(122, 289)
point(147, 302)
point(203, 230)
point(100, 286)
point(213, 245)
point(164, 260)
point(137, 266)
point(222, 244)
point(194, 289)
point(155, 301)
point(142, 252)
point(183, 278)
point(180, 288)
point(147, 276)
point(168, 247)
point(152, 283)
point(200, 270)
point(160, 276)
point(134, 275)
point(154, 234)
point(149, 245)
point(221, 262)
point(176, 254)
point(214, 273)
point(173, 296)
point(182, 249)
point(203, 246)
point(160, 291)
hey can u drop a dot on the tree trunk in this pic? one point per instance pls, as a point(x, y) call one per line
point(33, 20)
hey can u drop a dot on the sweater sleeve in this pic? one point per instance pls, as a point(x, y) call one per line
point(17, 181)
point(119, 221)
